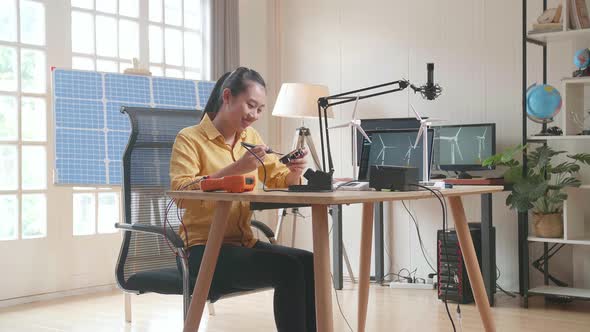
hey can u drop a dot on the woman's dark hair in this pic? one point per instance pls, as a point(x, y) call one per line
point(237, 82)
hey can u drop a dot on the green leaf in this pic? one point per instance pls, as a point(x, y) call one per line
point(541, 157)
point(505, 158)
point(581, 157)
point(513, 175)
point(526, 192)
point(569, 182)
point(565, 167)
point(556, 197)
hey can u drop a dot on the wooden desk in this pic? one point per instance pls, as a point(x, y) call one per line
point(320, 202)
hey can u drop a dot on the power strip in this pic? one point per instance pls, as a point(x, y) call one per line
point(414, 285)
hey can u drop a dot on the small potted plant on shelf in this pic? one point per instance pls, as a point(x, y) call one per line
point(543, 188)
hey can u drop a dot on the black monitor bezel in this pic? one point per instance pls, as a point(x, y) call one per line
point(383, 124)
point(469, 167)
point(364, 170)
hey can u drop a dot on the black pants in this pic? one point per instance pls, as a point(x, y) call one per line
point(288, 270)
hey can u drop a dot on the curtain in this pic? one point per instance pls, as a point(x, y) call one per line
point(224, 52)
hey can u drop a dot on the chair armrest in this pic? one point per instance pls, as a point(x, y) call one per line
point(170, 234)
point(264, 229)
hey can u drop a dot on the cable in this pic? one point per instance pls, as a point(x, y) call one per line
point(419, 238)
point(540, 263)
point(335, 292)
point(443, 205)
point(498, 285)
point(264, 169)
point(504, 291)
point(180, 218)
point(344, 183)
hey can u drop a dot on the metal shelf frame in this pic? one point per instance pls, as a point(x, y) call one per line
point(523, 236)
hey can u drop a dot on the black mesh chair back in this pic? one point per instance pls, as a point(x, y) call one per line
point(147, 261)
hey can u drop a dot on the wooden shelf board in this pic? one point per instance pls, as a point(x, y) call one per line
point(558, 138)
point(585, 186)
point(585, 240)
point(559, 35)
point(576, 80)
point(563, 291)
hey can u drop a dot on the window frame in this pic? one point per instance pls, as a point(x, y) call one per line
point(144, 23)
point(19, 94)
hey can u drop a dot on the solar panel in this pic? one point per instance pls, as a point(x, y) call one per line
point(90, 131)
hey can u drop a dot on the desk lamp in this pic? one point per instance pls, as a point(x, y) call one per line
point(299, 100)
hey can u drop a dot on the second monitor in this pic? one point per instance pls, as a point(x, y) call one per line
point(392, 148)
point(463, 148)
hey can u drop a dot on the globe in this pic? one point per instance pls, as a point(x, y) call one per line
point(543, 102)
point(582, 58)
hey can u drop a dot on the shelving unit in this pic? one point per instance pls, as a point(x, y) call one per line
point(576, 213)
point(546, 37)
point(559, 138)
point(580, 293)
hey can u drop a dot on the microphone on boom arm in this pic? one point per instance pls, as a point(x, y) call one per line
point(430, 90)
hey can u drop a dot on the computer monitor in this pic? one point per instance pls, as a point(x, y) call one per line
point(392, 148)
point(463, 148)
point(380, 124)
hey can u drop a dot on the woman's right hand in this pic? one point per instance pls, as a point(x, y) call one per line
point(248, 162)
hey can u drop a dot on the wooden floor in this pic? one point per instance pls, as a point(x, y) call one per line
point(389, 310)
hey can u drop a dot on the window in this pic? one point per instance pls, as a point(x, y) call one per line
point(23, 120)
point(95, 211)
point(175, 38)
point(105, 34)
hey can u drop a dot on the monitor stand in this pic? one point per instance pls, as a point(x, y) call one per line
point(463, 175)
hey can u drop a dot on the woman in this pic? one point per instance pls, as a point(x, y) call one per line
point(212, 148)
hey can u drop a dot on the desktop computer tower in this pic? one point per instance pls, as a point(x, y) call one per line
point(449, 257)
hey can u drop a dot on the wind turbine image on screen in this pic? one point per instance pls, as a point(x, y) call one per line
point(396, 149)
point(462, 145)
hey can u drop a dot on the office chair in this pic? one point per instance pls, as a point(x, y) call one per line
point(149, 260)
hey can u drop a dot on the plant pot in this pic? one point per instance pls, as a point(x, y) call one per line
point(548, 225)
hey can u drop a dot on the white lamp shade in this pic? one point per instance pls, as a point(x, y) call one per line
point(298, 100)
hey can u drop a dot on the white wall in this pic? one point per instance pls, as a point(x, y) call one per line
point(477, 50)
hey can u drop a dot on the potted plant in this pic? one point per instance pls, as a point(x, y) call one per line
point(543, 188)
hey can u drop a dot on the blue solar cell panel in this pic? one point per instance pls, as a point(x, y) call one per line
point(91, 133)
point(116, 143)
point(128, 88)
point(80, 144)
point(174, 92)
point(76, 113)
point(204, 90)
point(81, 172)
point(115, 172)
point(117, 120)
point(77, 84)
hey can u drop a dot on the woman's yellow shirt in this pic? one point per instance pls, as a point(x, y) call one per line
point(201, 150)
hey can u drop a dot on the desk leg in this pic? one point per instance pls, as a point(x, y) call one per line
point(365, 265)
point(336, 212)
point(470, 258)
point(195, 310)
point(488, 247)
point(321, 266)
point(379, 243)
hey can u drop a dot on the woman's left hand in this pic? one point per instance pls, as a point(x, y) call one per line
point(297, 167)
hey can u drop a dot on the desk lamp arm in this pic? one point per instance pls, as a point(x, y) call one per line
point(342, 98)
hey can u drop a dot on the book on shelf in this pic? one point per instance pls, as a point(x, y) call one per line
point(546, 27)
point(557, 17)
point(579, 14)
point(549, 21)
